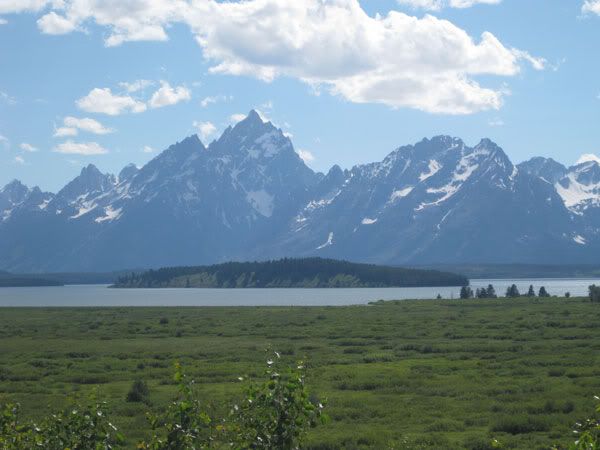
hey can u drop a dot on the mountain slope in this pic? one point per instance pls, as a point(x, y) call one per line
point(248, 195)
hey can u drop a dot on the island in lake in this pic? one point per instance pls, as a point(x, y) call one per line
point(289, 273)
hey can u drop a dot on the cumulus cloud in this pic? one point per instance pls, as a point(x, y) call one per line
point(591, 6)
point(137, 85)
point(5, 98)
point(206, 101)
point(19, 6)
point(19, 160)
point(53, 23)
point(588, 157)
point(104, 101)
point(80, 148)
point(305, 155)
point(72, 125)
point(167, 95)
point(436, 5)
point(398, 60)
point(4, 141)
point(206, 129)
point(235, 118)
point(28, 147)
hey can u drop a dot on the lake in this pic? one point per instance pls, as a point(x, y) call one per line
point(101, 295)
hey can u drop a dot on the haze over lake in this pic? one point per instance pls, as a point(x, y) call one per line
point(101, 295)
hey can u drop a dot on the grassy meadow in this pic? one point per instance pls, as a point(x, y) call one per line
point(403, 375)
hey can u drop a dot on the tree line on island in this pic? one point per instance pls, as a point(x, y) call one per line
point(290, 272)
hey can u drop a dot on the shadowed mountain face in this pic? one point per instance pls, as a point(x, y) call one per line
point(248, 195)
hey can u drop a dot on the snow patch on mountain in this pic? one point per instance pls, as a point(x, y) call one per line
point(261, 201)
point(576, 195)
point(110, 214)
point(368, 221)
point(401, 193)
point(84, 209)
point(434, 167)
point(327, 243)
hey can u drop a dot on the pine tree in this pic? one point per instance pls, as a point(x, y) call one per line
point(513, 291)
point(482, 293)
point(466, 292)
point(491, 292)
point(543, 292)
point(531, 292)
point(594, 293)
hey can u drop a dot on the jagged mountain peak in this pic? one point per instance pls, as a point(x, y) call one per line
point(128, 172)
point(544, 168)
point(15, 187)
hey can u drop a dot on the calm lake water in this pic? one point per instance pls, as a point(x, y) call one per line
point(101, 295)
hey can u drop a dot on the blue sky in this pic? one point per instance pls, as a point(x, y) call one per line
point(349, 80)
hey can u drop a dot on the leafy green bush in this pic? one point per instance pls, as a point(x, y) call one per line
point(80, 428)
point(588, 432)
point(138, 392)
point(277, 413)
point(274, 414)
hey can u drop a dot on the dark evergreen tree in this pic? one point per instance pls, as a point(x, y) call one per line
point(466, 292)
point(543, 292)
point(482, 293)
point(595, 293)
point(531, 292)
point(491, 292)
point(567, 295)
point(439, 296)
point(513, 291)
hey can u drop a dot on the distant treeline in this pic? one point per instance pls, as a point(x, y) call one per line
point(16, 281)
point(516, 271)
point(285, 273)
point(8, 279)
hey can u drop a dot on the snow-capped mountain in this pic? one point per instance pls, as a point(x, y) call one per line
point(248, 195)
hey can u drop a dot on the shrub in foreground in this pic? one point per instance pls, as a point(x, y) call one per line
point(274, 414)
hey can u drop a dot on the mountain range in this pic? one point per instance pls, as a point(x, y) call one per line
point(249, 196)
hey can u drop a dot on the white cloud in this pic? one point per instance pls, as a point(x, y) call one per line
point(587, 157)
point(496, 122)
point(436, 5)
point(206, 129)
point(206, 101)
point(19, 6)
point(148, 149)
point(166, 95)
point(137, 85)
point(4, 97)
point(19, 160)
point(591, 6)
point(305, 155)
point(4, 141)
point(72, 125)
point(3, 21)
point(235, 118)
point(65, 131)
point(80, 148)
point(399, 60)
point(105, 102)
point(28, 147)
point(53, 23)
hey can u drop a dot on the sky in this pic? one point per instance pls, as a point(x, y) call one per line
point(112, 82)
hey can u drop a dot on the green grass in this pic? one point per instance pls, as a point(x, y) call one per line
point(410, 374)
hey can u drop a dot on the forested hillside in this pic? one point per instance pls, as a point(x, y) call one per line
point(306, 272)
